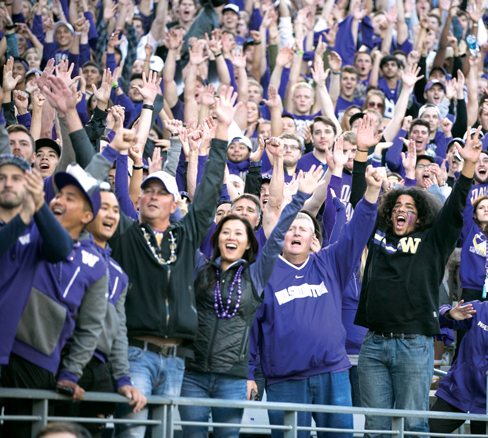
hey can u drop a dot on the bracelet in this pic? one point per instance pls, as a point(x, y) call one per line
point(147, 106)
point(335, 72)
point(10, 26)
point(218, 54)
point(137, 167)
point(300, 52)
point(115, 85)
point(363, 150)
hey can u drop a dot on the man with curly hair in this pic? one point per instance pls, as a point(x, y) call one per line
point(400, 293)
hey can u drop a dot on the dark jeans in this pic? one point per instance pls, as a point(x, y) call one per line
point(20, 373)
point(438, 425)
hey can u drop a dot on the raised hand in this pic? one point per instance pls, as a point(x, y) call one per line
point(102, 93)
point(410, 75)
point(113, 41)
point(335, 61)
point(409, 159)
point(339, 157)
point(308, 181)
point(196, 53)
point(150, 87)
point(374, 177)
point(37, 98)
point(472, 147)
point(207, 96)
point(124, 140)
point(284, 57)
point(156, 161)
point(9, 81)
point(59, 95)
point(366, 133)
point(224, 106)
point(274, 146)
point(258, 153)
point(21, 101)
point(64, 72)
point(274, 99)
point(446, 126)
point(174, 126)
point(48, 71)
point(318, 72)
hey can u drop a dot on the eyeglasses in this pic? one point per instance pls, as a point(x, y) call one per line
point(375, 105)
point(422, 166)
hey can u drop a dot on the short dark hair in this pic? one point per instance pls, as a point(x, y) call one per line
point(419, 122)
point(427, 207)
point(324, 120)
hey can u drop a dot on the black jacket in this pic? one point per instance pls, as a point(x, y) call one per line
point(400, 288)
point(160, 298)
point(222, 345)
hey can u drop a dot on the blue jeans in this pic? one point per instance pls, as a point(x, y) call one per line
point(321, 389)
point(396, 373)
point(152, 374)
point(210, 385)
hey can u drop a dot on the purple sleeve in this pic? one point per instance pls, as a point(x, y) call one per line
point(122, 187)
point(285, 77)
point(146, 22)
point(224, 193)
point(393, 154)
point(64, 5)
point(367, 34)
point(329, 215)
point(345, 46)
point(25, 120)
point(48, 52)
point(84, 54)
point(202, 161)
point(256, 19)
point(92, 33)
point(38, 28)
point(123, 100)
point(340, 221)
point(111, 63)
point(410, 182)
point(75, 59)
point(254, 358)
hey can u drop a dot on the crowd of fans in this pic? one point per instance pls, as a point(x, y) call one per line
point(227, 199)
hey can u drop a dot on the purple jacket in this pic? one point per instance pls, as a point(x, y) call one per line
point(464, 387)
point(67, 300)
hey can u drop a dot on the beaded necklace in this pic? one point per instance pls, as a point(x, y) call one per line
point(225, 313)
point(157, 252)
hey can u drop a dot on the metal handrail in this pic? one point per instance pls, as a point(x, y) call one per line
point(164, 420)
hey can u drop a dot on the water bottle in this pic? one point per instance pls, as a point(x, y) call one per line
point(472, 45)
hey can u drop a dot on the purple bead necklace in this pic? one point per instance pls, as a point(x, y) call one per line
point(221, 311)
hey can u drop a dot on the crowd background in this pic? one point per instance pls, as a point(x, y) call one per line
point(143, 124)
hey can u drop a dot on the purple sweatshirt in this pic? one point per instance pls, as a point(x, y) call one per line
point(464, 387)
point(302, 306)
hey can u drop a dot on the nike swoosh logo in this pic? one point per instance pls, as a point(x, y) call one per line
point(299, 276)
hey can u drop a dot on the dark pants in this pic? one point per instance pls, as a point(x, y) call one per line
point(438, 425)
point(20, 373)
point(96, 377)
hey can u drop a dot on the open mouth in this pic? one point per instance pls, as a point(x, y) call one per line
point(401, 220)
point(44, 166)
point(296, 243)
point(108, 225)
point(57, 210)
